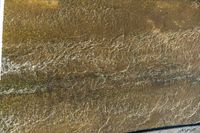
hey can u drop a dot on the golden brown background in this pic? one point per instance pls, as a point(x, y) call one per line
point(104, 66)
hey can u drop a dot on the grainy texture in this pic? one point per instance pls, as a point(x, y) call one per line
point(99, 65)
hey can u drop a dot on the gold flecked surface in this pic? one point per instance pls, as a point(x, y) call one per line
point(104, 66)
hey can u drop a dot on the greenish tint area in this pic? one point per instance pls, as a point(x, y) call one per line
point(16, 82)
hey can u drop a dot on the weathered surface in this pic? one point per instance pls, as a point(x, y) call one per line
point(99, 66)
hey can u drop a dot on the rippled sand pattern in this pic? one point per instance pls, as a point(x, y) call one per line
point(99, 66)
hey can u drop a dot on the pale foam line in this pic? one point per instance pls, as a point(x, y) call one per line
point(1, 32)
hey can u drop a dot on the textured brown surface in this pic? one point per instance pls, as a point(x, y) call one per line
point(99, 65)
